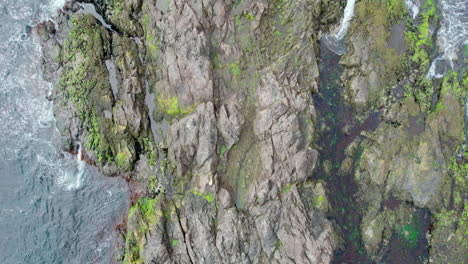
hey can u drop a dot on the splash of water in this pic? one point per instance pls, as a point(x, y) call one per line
point(73, 174)
point(57, 4)
point(348, 15)
point(413, 7)
point(52, 206)
point(336, 42)
point(452, 36)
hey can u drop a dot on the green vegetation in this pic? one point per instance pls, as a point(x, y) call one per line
point(144, 214)
point(170, 106)
point(249, 16)
point(117, 9)
point(237, 20)
point(318, 201)
point(451, 82)
point(152, 186)
point(152, 41)
point(222, 150)
point(420, 47)
point(122, 160)
point(218, 64)
point(410, 233)
point(174, 242)
point(278, 244)
point(208, 197)
point(235, 69)
point(286, 189)
point(396, 10)
point(420, 42)
point(220, 168)
point(149, 148)
point(376, 18)
point(81, 81)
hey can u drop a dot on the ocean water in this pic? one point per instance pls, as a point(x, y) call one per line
point(54, 208)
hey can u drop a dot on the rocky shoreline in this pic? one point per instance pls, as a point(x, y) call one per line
point(209, 110)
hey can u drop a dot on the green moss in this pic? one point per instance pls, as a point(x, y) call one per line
point(396, 10)
point(277, 33)
point(249, 16)
point(121, 159)
point(235, 69)
point(237, 20)
point(208, 197)
point(410, 234)
point(374, 19)
point(152, 41)
point(218, 64)
point(317, 202)
point(146, 207)
point(451, 83)
point(278, 244)
point(286, 189)
point(149, 148)
point(143, 214)
point(82, 84)
point(220, 168)
point(222, 150)
point(419, 43)
point(422, 38)
point(174, 242)
point(153, 185)
point(170, 106)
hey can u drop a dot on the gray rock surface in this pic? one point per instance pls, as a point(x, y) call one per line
point(234, 83)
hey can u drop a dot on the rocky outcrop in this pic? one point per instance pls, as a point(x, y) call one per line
point(410, 168)
point(238, 141)
point(205, 107)
point(373, 61)
point(231, 84)
point(413, 162)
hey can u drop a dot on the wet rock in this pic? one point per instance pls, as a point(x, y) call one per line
point(414, 168)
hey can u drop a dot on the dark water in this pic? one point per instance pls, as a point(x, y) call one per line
point(53, 207)
point(342, 129)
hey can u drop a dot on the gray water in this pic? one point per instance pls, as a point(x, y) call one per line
point(53, 207)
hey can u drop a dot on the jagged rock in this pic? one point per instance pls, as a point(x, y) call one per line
point(233, 83)
point(410, 164)
point(192, 142)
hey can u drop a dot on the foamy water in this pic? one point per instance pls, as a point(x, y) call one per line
point(335, 42)
point(53, 207)
point(413, 7)
point(452, 36)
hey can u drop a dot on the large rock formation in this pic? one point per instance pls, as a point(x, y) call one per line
point(206, 108)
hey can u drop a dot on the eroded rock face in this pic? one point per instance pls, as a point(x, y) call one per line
point(409, 165)
point(241, 145)
point(232, 86)
point(206, 108)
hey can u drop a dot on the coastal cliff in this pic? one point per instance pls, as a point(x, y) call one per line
point(245, 140)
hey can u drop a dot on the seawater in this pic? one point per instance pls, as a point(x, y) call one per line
point(54, 208)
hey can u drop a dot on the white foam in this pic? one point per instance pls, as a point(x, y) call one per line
point(413, 7)
point(336, 42)
point(72, 175)
point(452, 35)
point(348, 15)
point(57, 4)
